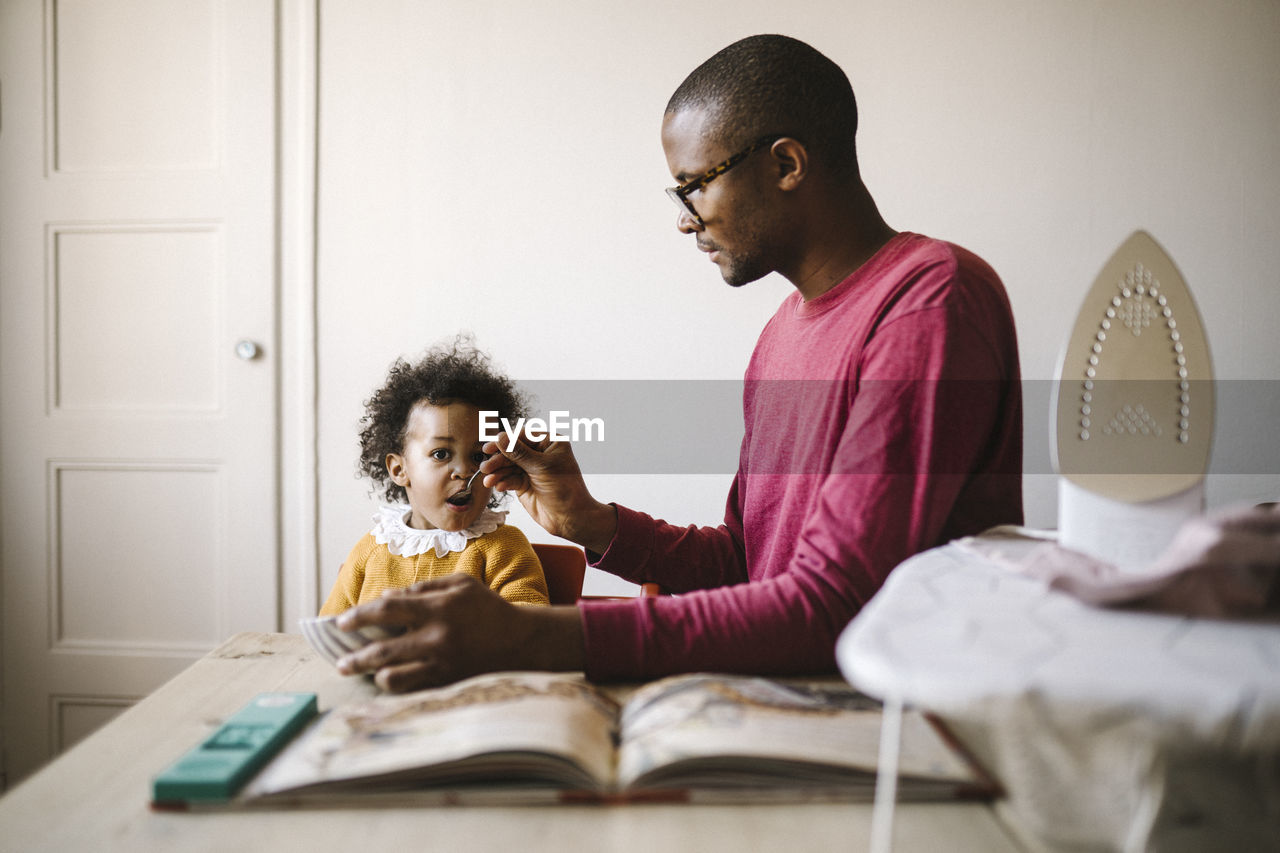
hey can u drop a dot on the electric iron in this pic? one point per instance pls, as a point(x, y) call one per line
point(1133, 410)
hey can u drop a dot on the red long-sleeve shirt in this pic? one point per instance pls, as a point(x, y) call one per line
point(882, 418)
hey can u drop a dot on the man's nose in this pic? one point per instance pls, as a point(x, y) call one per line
point(686, 224)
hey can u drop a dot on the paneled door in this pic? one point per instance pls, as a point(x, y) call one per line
point(137, 310)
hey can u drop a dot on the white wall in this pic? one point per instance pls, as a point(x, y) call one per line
point(495, 166)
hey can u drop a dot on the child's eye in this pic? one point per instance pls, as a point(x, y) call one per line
point(440, 454)
point(479, 457)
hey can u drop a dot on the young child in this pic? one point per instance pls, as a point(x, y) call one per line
point(421, 443)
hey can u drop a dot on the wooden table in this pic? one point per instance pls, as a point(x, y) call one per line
point(94, 797)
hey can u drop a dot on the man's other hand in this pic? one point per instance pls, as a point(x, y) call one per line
point(456, 627)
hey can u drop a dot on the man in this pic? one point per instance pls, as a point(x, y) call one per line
point(882, 407)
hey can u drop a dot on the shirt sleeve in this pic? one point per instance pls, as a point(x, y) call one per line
point(679, 559)
point(923, 415)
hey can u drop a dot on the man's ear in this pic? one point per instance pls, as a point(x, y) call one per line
point(791, 159)
point(395, 467)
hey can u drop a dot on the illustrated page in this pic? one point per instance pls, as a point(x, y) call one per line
point(523, 721)
point(723, 726)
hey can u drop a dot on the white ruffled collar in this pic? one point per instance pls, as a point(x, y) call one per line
point(391, 528)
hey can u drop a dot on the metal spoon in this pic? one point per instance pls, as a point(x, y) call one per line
point(466, 490)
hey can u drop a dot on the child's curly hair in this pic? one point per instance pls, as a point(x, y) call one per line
point(445, 374)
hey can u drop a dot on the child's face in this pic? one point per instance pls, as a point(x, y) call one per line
point(441, 451)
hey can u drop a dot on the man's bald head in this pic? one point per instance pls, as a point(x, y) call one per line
point(773, 84)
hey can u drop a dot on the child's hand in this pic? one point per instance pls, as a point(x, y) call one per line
point(546, 477)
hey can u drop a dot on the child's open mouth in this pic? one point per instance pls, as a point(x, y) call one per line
point(460, 499)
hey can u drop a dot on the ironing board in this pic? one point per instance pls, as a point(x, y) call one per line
point(1110, 729)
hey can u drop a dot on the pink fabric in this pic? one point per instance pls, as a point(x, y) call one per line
point(882, 418)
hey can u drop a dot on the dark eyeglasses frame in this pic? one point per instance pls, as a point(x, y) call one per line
point(680, 195)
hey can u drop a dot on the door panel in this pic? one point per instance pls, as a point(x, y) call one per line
point(137, 247)
point(105, 516)
point(136, 320)
point(108, 112)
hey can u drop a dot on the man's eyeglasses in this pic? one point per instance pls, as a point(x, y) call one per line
point(680, 195)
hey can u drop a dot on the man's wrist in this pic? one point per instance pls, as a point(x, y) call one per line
point(554, 640)
point(594, 527)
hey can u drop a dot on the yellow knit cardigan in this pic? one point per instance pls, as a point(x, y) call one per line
point(502, 560)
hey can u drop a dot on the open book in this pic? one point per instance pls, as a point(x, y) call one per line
point(541, 737)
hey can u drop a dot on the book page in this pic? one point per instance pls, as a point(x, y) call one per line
point(731, 730)
point(509, 727)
